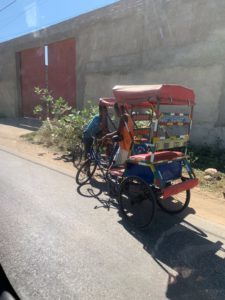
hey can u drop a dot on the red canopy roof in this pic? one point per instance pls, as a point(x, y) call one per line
point(109, 102)
point(168, 94)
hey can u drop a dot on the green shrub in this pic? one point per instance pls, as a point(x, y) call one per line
point(205, 156)
point(50, 107)
point(62, 126)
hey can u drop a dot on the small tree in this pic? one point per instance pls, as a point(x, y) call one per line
point(50, 107)
point(62, 126)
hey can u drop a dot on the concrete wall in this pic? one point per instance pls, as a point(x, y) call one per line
point(139, 42)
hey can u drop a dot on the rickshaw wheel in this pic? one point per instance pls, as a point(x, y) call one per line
point(137, 202)
point(86, 171)
point(77, 155)
point(175, 204)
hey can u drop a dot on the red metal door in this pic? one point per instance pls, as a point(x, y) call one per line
point(32, 70)
point(61, 70)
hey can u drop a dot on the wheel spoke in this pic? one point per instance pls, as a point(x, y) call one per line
point(85, 172)
point(77, 155)
point(137, 202)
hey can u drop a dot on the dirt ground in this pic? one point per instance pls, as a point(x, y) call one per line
point(208, 205)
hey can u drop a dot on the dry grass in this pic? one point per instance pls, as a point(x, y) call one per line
point(215, 185)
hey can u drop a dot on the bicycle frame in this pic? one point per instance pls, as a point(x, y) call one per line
point(95, 156)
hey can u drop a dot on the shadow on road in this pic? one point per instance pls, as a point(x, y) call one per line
point(67, 158)
point(98, 189)
point(25, 123)
point(6, 290)
point(194, 264)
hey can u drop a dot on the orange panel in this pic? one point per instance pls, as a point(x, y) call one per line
point(61, 70)
point(32, 72)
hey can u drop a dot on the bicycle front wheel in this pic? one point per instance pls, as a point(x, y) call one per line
point(77, 155)
point(86, 171)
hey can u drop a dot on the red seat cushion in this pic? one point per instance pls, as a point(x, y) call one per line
point(162, 155)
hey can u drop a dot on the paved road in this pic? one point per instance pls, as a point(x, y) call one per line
point(60, 243)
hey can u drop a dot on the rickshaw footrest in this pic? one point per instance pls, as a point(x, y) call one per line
point(180, 187)
point(117, 171)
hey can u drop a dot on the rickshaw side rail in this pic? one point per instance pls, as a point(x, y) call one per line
point(162, 143)
point(179, 187)
point(141, 131)
point(142, 117)
point(174, 123)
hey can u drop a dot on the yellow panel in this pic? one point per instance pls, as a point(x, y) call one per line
point(172, 142)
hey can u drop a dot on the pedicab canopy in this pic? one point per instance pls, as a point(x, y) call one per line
point(108, 102)
point(145, 95)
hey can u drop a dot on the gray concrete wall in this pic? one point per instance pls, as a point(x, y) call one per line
point(140, 42)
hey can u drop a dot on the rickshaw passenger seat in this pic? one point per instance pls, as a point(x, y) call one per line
point(159, 156)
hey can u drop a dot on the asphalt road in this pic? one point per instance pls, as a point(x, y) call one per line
point(57, 242)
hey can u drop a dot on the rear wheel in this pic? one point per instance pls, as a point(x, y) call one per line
point(77, 155)
point(137, 202)
point(86, 171)
point(175, 204)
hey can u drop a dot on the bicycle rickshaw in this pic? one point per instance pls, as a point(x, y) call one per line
point(162, 174)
